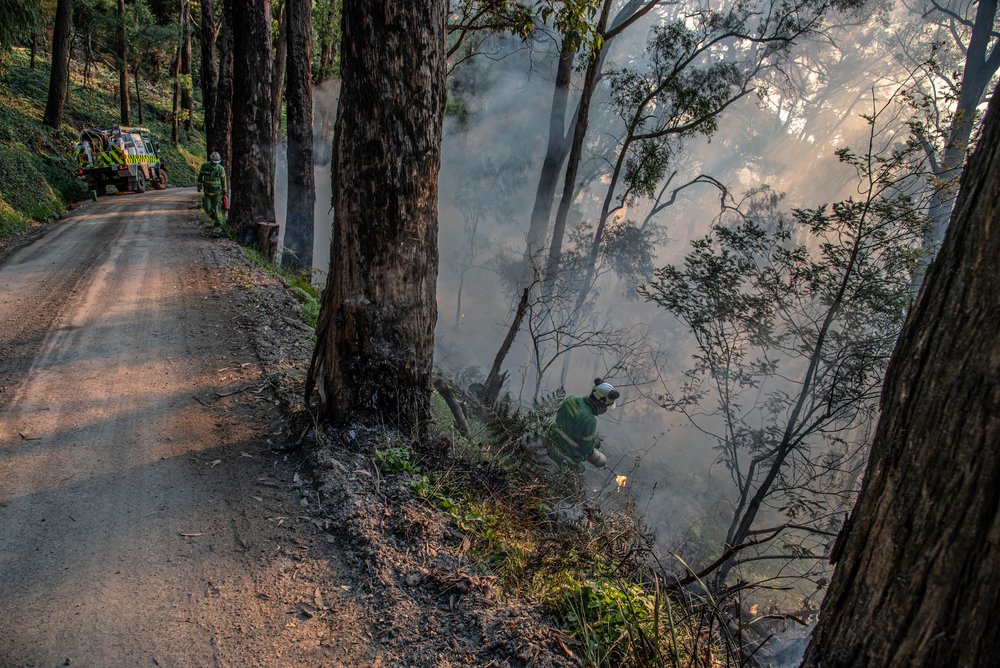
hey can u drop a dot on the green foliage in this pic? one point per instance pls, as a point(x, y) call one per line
point(18, 20)
point(794, 322)
point(519, 432)
point(396, 460)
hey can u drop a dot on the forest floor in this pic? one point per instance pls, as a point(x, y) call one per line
point(154, 507)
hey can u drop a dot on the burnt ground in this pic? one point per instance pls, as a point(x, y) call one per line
point(156, 508)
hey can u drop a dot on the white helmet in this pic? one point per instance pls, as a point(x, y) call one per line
point(604, 394)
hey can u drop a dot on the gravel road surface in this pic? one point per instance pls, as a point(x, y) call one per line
point(147, 517)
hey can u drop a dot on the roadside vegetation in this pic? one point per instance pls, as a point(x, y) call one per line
point(528, 535)
point(36, 162)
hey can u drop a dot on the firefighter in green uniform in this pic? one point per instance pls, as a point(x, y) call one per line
point(212, 178)
point(573, 436)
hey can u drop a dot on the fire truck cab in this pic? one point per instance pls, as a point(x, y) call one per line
point(124, 157)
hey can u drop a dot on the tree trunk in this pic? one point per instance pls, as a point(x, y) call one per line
point(982, 61)
point(176, 70)
point(299, 221)
point(59, 72)
point(375, 338)
point(280, 57)
point(224, 91)
point(494, 381)
point(209, 73)
point(916, 582)
point(138, 96)
point(187, 104)
point(253, 130)
point(126, 114)
point(555, 156)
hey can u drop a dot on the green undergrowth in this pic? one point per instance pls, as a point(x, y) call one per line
point(297, 284)
point(584, 560)
point(37, 182)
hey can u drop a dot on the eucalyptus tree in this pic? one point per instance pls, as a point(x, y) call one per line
point(917, 568)
point(961, 60)
point(209, 72)
point(375, 335)
point(299, 221)
point(792, 340)
point(121, 62)
point(187, 102)
point(223, 125)
point(252, 171)
point(59, 72)
point(697, 67)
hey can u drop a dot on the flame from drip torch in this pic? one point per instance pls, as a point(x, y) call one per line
point(620, 480)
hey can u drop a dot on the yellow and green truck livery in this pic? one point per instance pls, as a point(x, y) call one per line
point(119, 156)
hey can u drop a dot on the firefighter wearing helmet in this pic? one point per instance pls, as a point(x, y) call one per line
point(572, 438)
point(212, 178)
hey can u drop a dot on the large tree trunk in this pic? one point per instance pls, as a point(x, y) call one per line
point(59, 73)
point(301, 187)
point(126, 114)
point(375, 337)
point(916, 585)
point(224, 91)
point(209, 72)
point(253, 130)
point(187, 104)
point(278, 78)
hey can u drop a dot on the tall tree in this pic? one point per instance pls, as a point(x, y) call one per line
point(301, 187)
point(224, 91)
point(122, 63)
point(187, 104)
point(253, 130)
point(280, 56)
point(209, 71)
point(916, 581)
point(59, 73)
point(375, 336)
point(976, 38)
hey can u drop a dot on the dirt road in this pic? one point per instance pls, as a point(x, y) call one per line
point(146, 517)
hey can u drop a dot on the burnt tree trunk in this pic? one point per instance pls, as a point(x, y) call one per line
point(916, 585)
point(375, 336)
point(187, 104)
point(278, 76)
point(59, 73)
point(301, 186)
point(209, 72)
point(253, 130)
point(121, 62)
point(224, 91)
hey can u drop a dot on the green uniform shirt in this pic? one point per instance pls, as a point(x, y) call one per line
point(212, 178)
point(574, 433)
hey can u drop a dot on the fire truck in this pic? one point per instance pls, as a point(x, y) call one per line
point(119, 156)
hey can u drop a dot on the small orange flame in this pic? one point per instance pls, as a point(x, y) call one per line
point(620, 480)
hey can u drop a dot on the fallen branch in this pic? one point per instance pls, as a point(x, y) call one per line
point(463, 427)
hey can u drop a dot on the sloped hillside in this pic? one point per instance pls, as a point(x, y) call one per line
point(36, 162)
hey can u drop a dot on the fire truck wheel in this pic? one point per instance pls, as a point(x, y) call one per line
point(161, 183)
point(140, 183)
point(101, 189)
